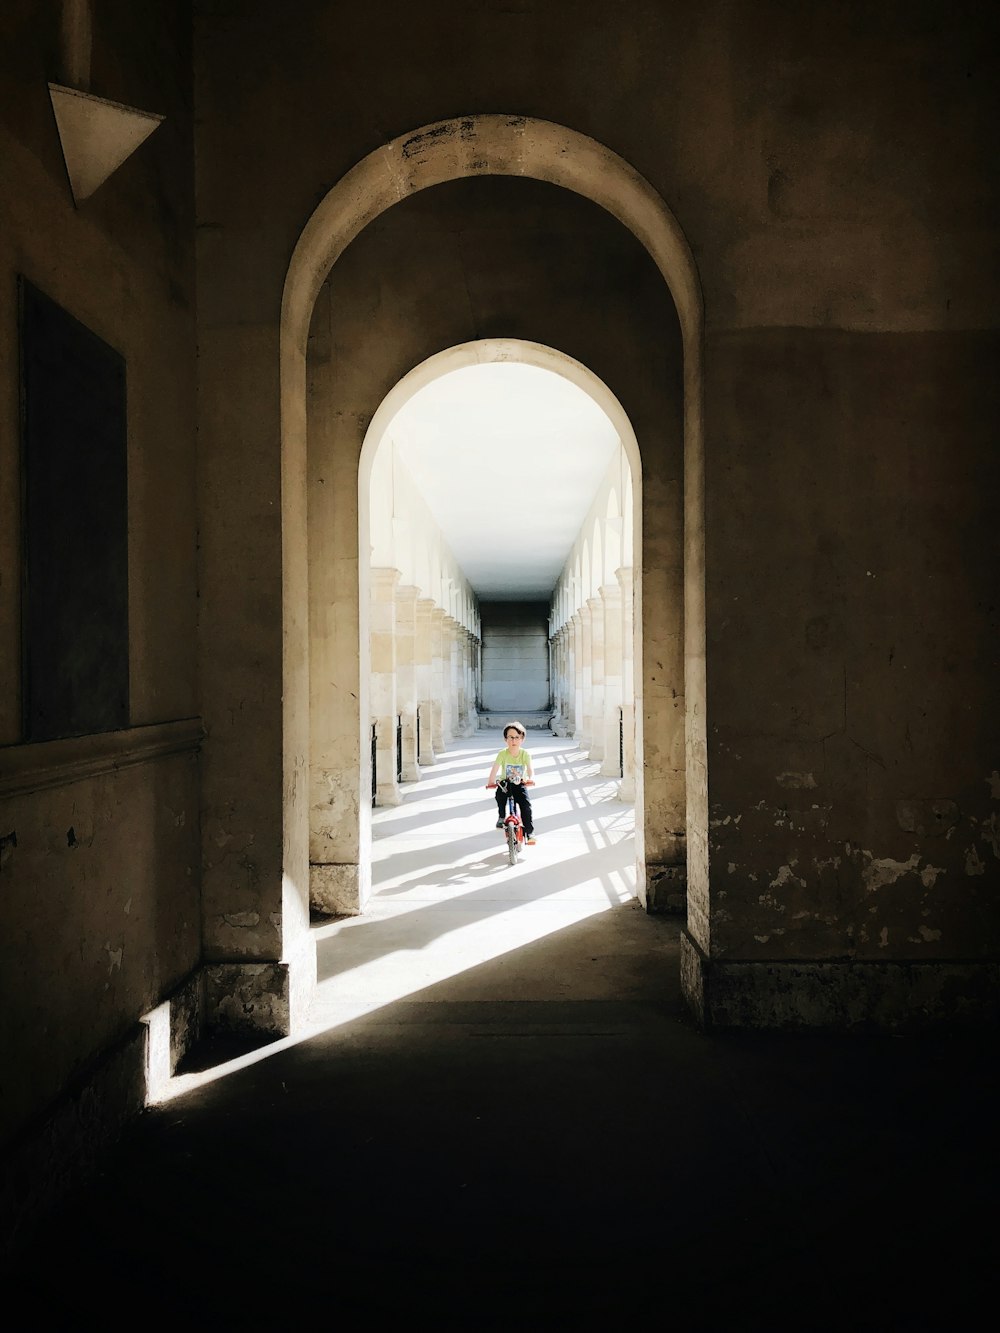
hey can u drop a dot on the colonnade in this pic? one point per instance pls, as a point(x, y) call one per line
point(425, 640)
point(425, 679)
point(592, 679)
point(592, 634)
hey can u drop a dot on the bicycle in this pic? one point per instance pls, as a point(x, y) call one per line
point(513, 829)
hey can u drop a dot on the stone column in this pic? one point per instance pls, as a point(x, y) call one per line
point(406, 675)
point(573, 674)
point(584, 672)
point(475, 648)
point(559, 680)
point(438, 714)
point(383, 683)
point(469, 660)
point(453, 679)
point(424, 653)
point(626, 788)
point(555, 681)
point(611, 598)
point(595, 723)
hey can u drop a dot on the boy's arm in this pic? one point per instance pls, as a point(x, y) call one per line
point(530, 768)
point(493, 774)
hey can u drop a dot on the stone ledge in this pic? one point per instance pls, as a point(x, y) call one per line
point(33, 767)
point(839, 996)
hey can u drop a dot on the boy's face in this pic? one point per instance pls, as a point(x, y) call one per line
point(513, 739)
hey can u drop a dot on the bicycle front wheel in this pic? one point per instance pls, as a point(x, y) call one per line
point(512, 843)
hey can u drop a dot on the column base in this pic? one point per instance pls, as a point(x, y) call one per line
point(248, 997)
point(338, 889)
point(387, 794)
point(838, 996)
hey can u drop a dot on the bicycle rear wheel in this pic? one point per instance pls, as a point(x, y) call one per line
point(512, 848)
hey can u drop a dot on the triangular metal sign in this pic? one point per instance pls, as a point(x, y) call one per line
point(97, 136)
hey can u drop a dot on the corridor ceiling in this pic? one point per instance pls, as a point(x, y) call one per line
point(508, 458)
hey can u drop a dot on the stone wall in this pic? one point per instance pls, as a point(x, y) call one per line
point(100, 869)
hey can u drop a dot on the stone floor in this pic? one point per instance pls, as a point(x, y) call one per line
point(502, 1118)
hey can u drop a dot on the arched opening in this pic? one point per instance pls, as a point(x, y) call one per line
point(399, 588)
point(448, 151)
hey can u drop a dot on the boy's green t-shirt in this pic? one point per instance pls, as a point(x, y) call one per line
point(513, 768)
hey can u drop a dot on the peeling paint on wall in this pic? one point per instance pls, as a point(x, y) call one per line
point(785, 875)
point(927, 818)
point(796, 781)
point(991, 833)
point(884, 870)
point(721, 823)
point(974, 863)
point(241, 920)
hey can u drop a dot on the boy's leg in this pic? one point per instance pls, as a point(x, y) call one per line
point(501, 799)
point(524, 805)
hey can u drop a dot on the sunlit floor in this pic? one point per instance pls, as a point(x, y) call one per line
point(444, 895)
point(503, 1119)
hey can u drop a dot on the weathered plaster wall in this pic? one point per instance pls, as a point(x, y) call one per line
point(101, 919)
point(853, 726)
point(100, 869)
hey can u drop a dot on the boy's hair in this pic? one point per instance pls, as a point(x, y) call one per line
point(514, 726)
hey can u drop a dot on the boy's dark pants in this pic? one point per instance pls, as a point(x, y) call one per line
point(522, 801)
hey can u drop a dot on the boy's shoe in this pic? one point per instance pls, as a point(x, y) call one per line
point(499, 823)
point(531, 841)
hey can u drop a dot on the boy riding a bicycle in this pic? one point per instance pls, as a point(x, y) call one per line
point(513, 765)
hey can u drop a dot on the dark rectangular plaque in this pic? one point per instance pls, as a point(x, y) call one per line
point(75, 525)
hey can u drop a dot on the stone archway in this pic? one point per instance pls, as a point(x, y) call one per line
point(433, 154)
point(485, 352)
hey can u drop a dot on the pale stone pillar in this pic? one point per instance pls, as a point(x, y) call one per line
point(438, 716)
point(406, 676)
point(583, 675)
point(573, 675)
point(556, 682)
point(469, 658)
point(626, 788)
point(424, 652)
point(475, 650)
point(595, 720)
point(559, 681)
point(454, 697)
point(383, 683)
point(611, 598)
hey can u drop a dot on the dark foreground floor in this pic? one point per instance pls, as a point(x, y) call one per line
point(564, 1164)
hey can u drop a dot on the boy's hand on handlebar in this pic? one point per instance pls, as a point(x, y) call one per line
point(489, 785)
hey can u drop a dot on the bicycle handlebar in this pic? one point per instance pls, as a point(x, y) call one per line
point(528, 782)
